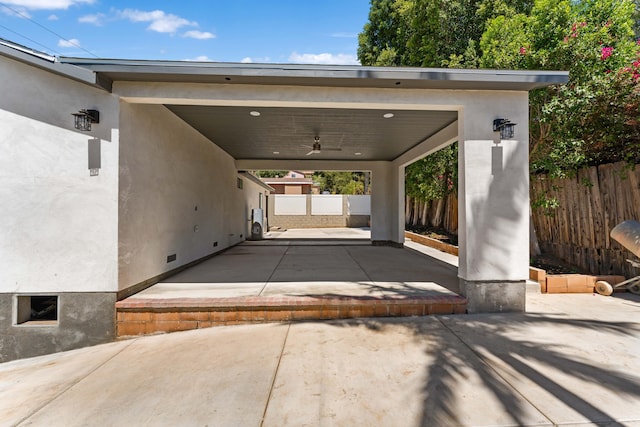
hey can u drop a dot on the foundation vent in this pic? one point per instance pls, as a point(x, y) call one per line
point(37, 309)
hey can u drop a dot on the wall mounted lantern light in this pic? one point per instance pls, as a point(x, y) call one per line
point(505, 127)
point(84, 118)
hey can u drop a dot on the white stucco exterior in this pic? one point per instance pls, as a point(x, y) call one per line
point(59, 223)
point(178, 195)
point(493, 192)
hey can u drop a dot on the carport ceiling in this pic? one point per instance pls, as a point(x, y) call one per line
point(288, 133)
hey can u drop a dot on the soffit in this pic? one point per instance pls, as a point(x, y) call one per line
point(288, 133)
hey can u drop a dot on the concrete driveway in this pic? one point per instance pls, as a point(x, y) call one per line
point(571, 360)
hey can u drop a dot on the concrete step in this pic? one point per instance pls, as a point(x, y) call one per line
point(150, 316)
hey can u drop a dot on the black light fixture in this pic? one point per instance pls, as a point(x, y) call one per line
point(505, 127)
point(84, 118)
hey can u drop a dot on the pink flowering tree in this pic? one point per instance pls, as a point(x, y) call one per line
point(594, 118)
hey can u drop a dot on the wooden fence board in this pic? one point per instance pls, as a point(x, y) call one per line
point(591, 204)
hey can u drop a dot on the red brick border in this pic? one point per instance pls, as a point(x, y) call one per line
point(139, 316)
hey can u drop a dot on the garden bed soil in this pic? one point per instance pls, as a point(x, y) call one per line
point(553, 265)
point(547, 262)
point(437, 233)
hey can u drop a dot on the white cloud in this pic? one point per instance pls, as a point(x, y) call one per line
point(69, 43)
point(160, 21)
point(52, 18)
point(96, 19)
point(323, 58)
point(45, 4)
point(250, 60)
point(200, 35)
point(16, 12)
point(201, 58)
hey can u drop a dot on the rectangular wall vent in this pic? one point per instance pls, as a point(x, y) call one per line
point(171, 258)
point(37, 309)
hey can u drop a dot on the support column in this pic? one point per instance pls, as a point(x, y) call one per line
point(387, 205)
point(493, 230)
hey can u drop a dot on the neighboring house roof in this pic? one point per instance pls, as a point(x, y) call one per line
point(288, 181)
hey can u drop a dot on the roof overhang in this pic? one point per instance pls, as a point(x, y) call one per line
point(349, 132)
point(317, 75)
point(256, 180)
point(48, 63)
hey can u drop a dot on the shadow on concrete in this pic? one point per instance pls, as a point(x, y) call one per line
point(501, 352)
point(518, 369)
point(325, 269)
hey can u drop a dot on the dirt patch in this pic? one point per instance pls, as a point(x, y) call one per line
point(549, 263)
point(434, 233)
point(553, 265)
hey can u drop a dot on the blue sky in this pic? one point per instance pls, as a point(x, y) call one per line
point(274, 31)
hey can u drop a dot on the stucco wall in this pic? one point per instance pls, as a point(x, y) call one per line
point(252, 196)
point(58, 234)
point(178, 195)
point(59, 224)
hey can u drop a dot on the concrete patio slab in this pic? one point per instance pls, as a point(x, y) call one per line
point(219, 377)
point(389, 373)
point(411, 289)
point(576, 367)
point(28, 385)
point(571, 360)
point(320, 233)
point(238, 264)
point(167, 290)
point(282, 266)
point(323, 288)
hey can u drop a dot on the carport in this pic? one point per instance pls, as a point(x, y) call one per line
point(266, 116)
point(158, 182)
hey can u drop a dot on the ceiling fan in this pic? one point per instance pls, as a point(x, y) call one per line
point(316, 149)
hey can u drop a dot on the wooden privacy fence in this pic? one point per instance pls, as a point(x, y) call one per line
point(437, 213)
point(590, 205)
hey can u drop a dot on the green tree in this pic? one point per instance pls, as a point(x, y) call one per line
point(271, 174)
point(592, 119)
point(383, 40)
point(340, 182)
point(435, 176)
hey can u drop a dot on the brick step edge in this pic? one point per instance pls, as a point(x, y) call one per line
point(282, 301)
point(135, 322)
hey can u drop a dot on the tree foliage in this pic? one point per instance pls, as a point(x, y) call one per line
point(433, 177)
point(593, 119)
point(271, 174)
point(341, 182)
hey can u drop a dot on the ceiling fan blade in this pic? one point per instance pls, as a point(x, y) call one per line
point(332, 149)
point(310, 153)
